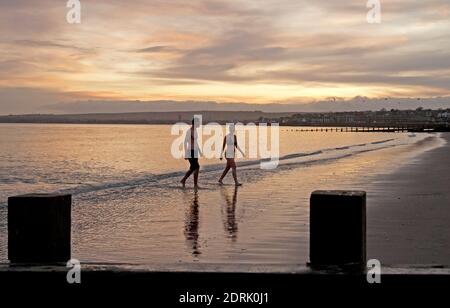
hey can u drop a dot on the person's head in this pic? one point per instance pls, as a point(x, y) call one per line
point(195, 122)
point(231, 128)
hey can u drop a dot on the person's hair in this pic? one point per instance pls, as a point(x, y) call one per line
point(193, 121)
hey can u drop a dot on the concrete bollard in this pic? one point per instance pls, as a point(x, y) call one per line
point(337, 228)
point(39, 228)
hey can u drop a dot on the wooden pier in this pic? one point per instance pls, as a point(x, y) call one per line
point(371, 128)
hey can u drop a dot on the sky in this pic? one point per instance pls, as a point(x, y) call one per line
point(253, 51)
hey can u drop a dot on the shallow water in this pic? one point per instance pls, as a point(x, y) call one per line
point(128, 206)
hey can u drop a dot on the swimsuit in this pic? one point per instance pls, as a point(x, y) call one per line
point(194, 162)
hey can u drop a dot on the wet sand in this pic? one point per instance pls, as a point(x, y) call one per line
point(409, 211)
point(267, 220)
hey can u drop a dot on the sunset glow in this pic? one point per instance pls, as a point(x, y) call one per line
point(228, 51)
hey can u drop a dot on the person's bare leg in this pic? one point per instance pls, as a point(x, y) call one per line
point(187, 175)
point(235, 176)
point(224, 173)
point(196, 177)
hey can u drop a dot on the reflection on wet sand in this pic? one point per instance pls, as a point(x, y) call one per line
point(192, 224)
point(192, 218)
point(229, 213)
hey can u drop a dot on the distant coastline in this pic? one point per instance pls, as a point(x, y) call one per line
point(143, 117)
point(413, 120)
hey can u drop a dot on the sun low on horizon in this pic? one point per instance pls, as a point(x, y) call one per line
point(250, 51)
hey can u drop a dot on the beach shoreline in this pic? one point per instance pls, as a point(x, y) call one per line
point(157, 223)
point(409, 211)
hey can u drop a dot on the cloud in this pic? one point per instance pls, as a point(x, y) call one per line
point(27, 100)
point(47, 44)
point(158, 49)
point(262, 50)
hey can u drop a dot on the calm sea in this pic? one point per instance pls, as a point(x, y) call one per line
point(128, 206)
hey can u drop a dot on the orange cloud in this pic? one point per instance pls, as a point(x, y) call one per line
point(264, 51)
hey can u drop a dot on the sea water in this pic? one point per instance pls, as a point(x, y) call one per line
point(128, 205)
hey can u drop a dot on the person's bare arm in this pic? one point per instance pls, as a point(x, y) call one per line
point(200, 153)
point(239, 148)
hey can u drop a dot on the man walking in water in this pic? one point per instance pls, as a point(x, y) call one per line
point(192, 152)
point(231, 144)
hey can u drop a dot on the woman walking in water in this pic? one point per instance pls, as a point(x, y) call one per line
point(231, 144)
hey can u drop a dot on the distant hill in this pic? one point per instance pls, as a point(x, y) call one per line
point(358, 103)
point(143, 117)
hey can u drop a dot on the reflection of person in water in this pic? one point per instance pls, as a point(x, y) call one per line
point(191, 225)
point(229, 214)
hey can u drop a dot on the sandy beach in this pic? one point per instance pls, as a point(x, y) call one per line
point(409, 211)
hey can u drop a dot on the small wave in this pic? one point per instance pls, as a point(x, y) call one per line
point(382, 141)
point(429, 139)
point(296, 155)
point(10, 181)
point(352, 146)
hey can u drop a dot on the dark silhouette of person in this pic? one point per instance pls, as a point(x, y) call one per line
point(192, 153)
point(230, 143)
